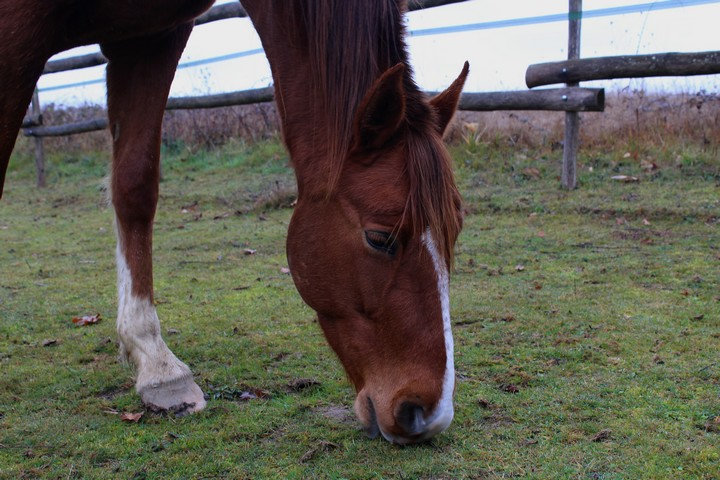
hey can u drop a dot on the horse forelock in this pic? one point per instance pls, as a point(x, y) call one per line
point(433, 199)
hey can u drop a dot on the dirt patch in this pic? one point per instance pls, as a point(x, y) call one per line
point(336, 413)
point(300, 384)
point(112, 392)
point(497, 418)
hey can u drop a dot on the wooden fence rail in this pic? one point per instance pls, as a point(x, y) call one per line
point(244, 97)
point(74, 63)
point(556, 99)
point(625, 66)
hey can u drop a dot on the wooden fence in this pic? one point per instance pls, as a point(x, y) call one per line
point(570, 99)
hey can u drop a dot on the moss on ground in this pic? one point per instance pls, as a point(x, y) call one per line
point(587, 325)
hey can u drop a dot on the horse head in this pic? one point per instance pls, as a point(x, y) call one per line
point(372, 259)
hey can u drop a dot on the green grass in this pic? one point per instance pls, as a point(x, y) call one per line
point(613, 323)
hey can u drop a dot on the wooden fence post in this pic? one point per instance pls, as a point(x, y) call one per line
point(39, 150)
point(572, 119)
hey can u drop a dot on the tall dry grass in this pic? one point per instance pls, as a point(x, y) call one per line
point(204, 128)
point(637, 117)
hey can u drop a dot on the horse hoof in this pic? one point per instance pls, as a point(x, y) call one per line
point(181, 397)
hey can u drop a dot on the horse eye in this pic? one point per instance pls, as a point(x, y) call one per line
point(381, 241)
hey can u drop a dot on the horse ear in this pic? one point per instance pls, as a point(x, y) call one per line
point(446, 102)
point(382, 111)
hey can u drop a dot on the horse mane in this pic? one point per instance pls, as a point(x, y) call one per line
point(350, 44)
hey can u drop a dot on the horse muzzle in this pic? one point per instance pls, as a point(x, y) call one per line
point(408, 422)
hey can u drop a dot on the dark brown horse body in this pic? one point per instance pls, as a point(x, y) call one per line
point(371, 238)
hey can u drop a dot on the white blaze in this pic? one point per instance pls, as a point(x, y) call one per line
point(440, 418)
point(444, 411)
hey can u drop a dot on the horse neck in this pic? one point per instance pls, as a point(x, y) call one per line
point(324, 56)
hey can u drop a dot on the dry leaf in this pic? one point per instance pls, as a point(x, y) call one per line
point(645, 221)
point(519, 268)
point(322, 446)
point(602, 435)
point(131, 417)
point(627, 155)
point(711, 426)
point(245, 396)
point(509, 388)
point(648, 165)
point(625, 178)
point(485, 404)
point(252, 394)
point(541, 234)
point(285, 270)
point(531, 172)
point(86, 320)
point(189, 208)
point(49, 342)
point(301, 384)
point(495, 272)
point(537, 286)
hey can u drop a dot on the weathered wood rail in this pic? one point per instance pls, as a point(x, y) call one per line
point(624, 66)
point(244, 97)
point(554, 99)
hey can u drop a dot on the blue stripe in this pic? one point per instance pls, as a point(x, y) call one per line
point(71, 85)
point(221, 58)
point(562, 17)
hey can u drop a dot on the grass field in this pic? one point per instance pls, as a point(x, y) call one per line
point(587, 325)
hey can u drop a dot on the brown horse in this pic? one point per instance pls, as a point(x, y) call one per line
point(371, 238)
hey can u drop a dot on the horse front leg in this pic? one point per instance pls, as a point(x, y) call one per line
point(21, 64)
point(139, 75)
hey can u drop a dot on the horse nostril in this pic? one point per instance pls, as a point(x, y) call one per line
point(410, 418)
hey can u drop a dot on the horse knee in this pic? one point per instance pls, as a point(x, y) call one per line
point(134, 195)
